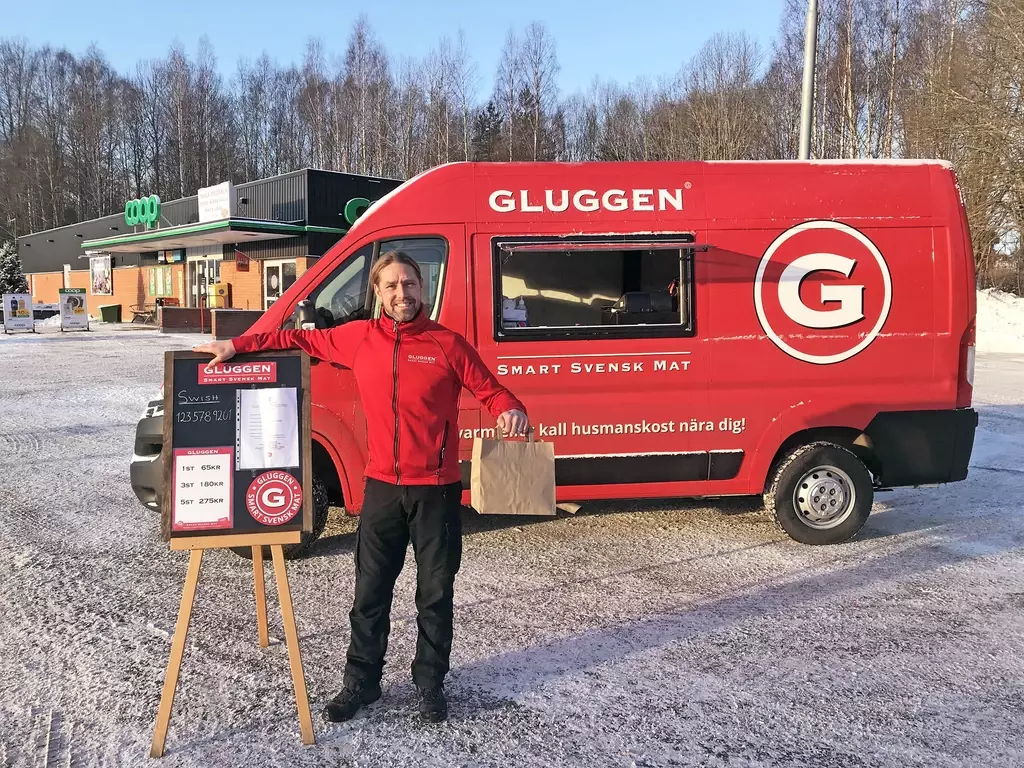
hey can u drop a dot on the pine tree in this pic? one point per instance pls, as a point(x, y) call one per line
point(487, 133)
point(12, 279)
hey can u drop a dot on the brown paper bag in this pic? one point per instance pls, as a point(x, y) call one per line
point(513, 477)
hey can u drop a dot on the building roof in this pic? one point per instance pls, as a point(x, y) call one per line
point(226, 231)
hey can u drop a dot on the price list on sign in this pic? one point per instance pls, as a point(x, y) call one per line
point(202, 488)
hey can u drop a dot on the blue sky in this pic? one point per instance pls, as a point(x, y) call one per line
point(612, 40)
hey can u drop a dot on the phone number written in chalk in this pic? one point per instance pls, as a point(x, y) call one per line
point(188, 417)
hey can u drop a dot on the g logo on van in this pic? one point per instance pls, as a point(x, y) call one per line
point(822, 292)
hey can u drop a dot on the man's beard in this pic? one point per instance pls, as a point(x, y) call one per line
point(404, 313)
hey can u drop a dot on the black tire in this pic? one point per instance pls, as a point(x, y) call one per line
point(840, 480)
point(321, 509)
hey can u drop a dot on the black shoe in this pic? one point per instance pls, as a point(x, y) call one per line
point(433, 705)
point(343, 706)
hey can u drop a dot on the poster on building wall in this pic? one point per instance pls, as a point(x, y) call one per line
point(18, 312)
point(73, 313)
point(170, 257)
point(161, 282)
point(101, 276)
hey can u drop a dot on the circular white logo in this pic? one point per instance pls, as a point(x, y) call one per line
point(822, 292)
point(274, 498)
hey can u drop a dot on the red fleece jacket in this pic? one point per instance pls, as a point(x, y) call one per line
point(410, 376)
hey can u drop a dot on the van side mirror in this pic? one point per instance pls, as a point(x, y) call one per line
point(304, 313)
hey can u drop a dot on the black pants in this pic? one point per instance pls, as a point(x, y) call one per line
point(391, 516)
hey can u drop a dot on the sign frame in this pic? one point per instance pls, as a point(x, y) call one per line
point(171, 407)
point(15, 324)
point(101, 280)
point(196, 541)
point(217, 202)
point(61, 293)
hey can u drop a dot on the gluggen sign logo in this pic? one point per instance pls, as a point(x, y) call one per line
point(238, 373)
point(822, 292)
point(585, 200)
point(274, 498)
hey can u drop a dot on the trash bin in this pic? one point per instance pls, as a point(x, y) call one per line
point(110, 313)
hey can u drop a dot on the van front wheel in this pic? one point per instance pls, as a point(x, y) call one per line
point(821, 493)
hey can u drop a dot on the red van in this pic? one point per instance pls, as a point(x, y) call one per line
point(798, 330)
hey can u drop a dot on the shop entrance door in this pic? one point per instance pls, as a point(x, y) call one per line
point(201, 273)
point(278, 277)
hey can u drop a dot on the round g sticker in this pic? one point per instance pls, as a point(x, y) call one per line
point(274, 498)
point(822, 292)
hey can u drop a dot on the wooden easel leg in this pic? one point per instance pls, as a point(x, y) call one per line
point(292, 636)
point(261, 597)
point(188, 595)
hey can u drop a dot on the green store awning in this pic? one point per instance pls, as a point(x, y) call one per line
point(209, 233)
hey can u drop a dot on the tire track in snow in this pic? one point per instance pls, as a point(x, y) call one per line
point(53, 742)
point(20, 443)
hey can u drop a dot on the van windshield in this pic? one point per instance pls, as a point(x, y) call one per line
point(345, 294)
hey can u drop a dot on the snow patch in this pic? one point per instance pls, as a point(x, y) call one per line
point(51, 322)
point(1000, 322)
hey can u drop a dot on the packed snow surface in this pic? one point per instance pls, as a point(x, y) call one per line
point(651, 633)
point(1000, 322)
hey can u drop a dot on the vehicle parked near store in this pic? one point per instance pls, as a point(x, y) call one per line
point(800, 330)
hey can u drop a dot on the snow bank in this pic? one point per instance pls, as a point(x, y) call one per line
point(1000, 322)
point(51, 322)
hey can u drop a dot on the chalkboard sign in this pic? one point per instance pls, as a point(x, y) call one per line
point(237, 444)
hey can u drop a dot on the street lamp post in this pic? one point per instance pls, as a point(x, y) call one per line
point(807, 100)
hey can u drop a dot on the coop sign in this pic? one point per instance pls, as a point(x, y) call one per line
point(142, 211)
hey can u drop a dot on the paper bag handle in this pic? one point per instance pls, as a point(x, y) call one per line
point(501, 435)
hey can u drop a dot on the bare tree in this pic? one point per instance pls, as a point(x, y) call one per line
point(540, 68)
point(508, 85)
point(724, 98)
point(899, 78)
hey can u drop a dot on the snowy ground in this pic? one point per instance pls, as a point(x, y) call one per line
point(633, 634)
point(1000, 322)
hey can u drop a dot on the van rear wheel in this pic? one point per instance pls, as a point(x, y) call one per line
point(821, 493)
point(321, 509)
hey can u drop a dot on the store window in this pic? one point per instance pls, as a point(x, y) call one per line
point(593, 288)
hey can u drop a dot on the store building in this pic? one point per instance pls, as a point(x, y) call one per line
point(229, 246)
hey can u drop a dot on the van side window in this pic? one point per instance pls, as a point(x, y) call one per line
point(593, 288)
point(342, 296)
point(431, 254)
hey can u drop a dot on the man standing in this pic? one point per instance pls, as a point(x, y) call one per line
point(410, 372)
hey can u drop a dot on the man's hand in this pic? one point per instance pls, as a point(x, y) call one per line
point(221, 350)
point(513, 422)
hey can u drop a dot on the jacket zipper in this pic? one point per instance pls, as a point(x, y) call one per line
point(394, 402)
point(444, 442)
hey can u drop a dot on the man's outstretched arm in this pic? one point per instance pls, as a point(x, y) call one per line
point(335, 345)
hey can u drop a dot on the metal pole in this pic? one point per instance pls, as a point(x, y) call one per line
point(807, 101)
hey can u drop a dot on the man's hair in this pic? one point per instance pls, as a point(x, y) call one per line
point(394, 257)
